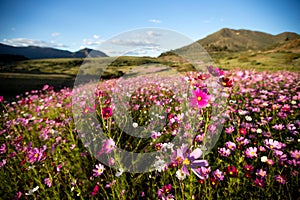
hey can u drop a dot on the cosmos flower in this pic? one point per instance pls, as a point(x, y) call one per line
point(215, 71)
point(259, 182)
point(98, 170)
point(279, 179)
point(261, 173)
point(48, 182)
point(295, 154)
point(187, 159)
point(231, 171)
point(200, 98)
point(107, 112)
point(226, 82)
point(218, 175)
point(251, 152)
point(229, 130)
point(224, 152)
point(36, 154)
point(230, 145)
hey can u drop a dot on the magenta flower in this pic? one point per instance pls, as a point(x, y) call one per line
point(251, 152)
point(3, 148)
point(99, 170)
point(36, 154)
point(95, 190)
point(230, 145)
point(164, 191)
point(259, 182)
point(107, 112)
point(279, 179)
point(248, 168)
point(200, 98)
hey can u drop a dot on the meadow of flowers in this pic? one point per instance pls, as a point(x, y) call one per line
point(213, 135)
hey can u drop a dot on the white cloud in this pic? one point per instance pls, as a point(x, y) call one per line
point(25, 42)
point(96, 36)
point(152, 33)
point(155, 21)
point(134, 42)
point(91, 42)
point(55, 34)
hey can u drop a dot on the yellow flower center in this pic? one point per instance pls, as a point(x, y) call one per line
point(100, 170)
point(186, 162)
point(252, 153)
point(36, 155)
point(199, 98)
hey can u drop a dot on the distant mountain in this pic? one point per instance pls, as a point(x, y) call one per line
point(243, 40)
point(34, 52)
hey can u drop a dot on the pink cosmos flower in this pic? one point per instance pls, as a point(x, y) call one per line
point(224, 152)
point(218, 175)
point(251, 152)
point(108, 146)
point(99, 170)
point(295, 154)
point(230, 145)
point(36, 154)
point(200, 98)
point(48, 182)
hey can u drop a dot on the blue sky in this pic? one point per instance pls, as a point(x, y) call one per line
point(71, 25)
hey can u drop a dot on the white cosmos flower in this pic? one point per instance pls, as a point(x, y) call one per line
point(180, 175)
point(134, 124)
point(264, 159)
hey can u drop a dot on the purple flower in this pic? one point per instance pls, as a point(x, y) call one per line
point(99, 170)
point(182, 156)
point(3, 148)
point(279, 179)
point(251, 152)
point(218, 175)
point(224, 152)
point(230, 145)
point(36, 154)
point(202, 172)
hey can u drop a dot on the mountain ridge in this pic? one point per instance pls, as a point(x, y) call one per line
point(36, 52)
point(235, 40)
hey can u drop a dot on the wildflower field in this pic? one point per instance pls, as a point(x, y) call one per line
point(209, 135)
